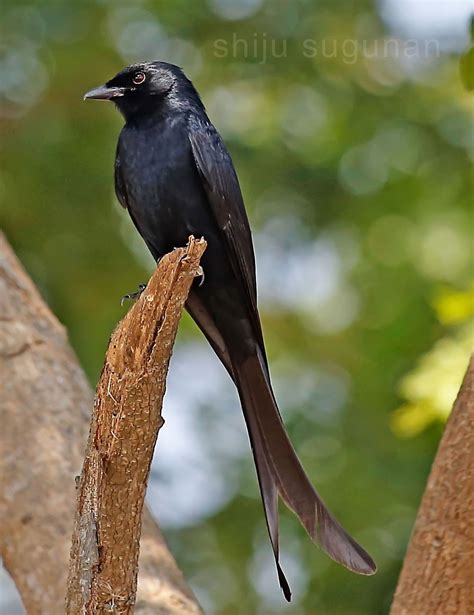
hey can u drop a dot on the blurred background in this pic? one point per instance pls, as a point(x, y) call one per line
point(351, 129)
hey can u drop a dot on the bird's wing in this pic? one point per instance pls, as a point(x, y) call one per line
point(225, 199)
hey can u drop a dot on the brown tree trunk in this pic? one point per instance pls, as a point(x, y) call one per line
point(437, 577)
point(45, 404)
point(125, 423)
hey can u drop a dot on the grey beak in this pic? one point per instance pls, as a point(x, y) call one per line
point(104, 93)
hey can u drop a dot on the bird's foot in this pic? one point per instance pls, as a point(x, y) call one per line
point(200, 274)
point(133, 296)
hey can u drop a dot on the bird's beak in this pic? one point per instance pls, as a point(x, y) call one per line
point(104, 92)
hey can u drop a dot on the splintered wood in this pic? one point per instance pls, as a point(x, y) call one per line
point(125, 424)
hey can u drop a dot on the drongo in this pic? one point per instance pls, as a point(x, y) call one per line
point(175, 177)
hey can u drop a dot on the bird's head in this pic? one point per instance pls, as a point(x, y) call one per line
point(145, 87)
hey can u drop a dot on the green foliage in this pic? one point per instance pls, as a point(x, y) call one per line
point(354, 158)
point(466, 67)
point(431, 388)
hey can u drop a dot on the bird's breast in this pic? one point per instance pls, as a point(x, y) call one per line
point(164, 192)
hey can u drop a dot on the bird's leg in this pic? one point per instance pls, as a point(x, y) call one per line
point(200, 274)
point(133, 296)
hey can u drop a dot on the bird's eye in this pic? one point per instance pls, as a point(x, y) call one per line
point(139, 78)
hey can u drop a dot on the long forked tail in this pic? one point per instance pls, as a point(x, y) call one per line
point(281, 473)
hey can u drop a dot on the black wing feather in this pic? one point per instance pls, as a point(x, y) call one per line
point(225, 199)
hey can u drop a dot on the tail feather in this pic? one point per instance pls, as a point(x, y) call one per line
point(280, 472)
point(269, 491)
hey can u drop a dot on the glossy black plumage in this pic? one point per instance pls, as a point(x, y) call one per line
point(175, 177)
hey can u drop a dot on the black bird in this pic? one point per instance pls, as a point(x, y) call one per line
point(175, 177)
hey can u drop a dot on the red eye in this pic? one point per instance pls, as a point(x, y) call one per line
point(139, 78)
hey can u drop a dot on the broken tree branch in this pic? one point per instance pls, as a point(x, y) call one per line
point(125, 424)
point(438, 572)
point(45, 403)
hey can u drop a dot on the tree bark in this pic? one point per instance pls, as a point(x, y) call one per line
point(438, 572)
point(125, 423)
point(46, 402)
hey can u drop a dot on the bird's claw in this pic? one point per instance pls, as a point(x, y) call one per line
point(200, 274)
point(133, 296)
